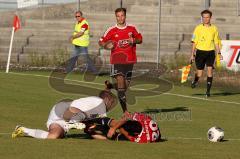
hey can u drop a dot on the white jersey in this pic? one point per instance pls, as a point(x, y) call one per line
point(91, 106)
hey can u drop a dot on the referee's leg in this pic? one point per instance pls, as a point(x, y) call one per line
point(210, 62)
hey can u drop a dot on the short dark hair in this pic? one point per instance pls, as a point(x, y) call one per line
point(206, 12)
point(79, 12)
point(124, 10)
point(133, 127)
point(105, 93)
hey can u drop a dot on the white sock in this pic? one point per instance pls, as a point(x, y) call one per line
point(36, 133)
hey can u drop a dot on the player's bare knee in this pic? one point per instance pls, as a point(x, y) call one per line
point(120, 77)
point(55, 132)
point(199, 73)
point(121, 81)
point(53, 136)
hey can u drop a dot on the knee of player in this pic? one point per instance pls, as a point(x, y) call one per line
point(120, 78)
point(55, 136)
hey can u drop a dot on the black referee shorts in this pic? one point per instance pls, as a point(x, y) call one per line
point(122, 69)
point(204, 58)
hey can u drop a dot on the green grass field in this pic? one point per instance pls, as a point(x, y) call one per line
point(183, 114)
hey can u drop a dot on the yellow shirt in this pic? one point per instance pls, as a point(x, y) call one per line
point(84, 39)
point(205, 37)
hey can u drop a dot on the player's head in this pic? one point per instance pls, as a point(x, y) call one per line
point(78, 15)
point(206, 16)
point(109, 99)
point(120, 14)
point(132, 127)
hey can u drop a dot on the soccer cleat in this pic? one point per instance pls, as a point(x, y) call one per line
point(193, 84)
point(207, 94)
point(18, 132)
point(78, 126)
point(108, 85)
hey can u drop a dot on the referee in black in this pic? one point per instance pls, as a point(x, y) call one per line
point(205, 47)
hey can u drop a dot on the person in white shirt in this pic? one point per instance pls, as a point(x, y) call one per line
point(69, 114)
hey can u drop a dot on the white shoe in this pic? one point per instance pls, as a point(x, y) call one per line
point(78, 126)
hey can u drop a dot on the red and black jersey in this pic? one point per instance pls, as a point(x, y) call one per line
point(150, 130)
point(123, 52)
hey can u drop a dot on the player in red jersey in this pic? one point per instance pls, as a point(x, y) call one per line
point(136, 127)
point(121, 39)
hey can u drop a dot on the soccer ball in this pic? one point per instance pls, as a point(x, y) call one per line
point(215, 134)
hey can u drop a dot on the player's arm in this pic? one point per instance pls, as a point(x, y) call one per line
point(217, 42)
point(79, 34)
point(136, 38)
point(90, 130)
point(194, 41)
point(114, 125)
point(126, 134)
point(98, 137)
point(118, 125)
point(102, 42)
point(106, 43)
point(193, 52)
point(106, 40)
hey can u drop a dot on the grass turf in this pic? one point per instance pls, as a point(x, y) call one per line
point(183, 120)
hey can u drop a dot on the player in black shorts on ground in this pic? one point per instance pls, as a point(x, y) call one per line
point(134, 127)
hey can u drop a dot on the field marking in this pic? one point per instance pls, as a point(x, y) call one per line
point(183, 138)
point(5, 133)
point(195, 138)
point(170, 138)
point(165, 93)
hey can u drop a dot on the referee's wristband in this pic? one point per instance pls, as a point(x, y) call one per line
point(219, 53)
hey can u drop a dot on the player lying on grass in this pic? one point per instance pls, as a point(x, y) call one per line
point(68, 114)
point(135, 127)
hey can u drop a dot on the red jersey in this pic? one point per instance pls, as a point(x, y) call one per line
point(123, 52)
point(150, 131)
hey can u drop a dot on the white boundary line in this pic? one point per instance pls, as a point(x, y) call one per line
point(5, 133)
point(170, 138)
point(195, 138)
point(172, 94)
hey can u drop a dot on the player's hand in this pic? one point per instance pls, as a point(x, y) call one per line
point(192, 58)
point(70, 39)
point(111, 132)
point(126, 115)
point(131, 41)
point(221, 57)
point(109, 45)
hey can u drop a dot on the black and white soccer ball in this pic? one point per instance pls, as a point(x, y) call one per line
point(215, 134)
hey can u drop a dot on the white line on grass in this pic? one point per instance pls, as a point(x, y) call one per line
point(183, 138)
point(172, 94)
point(5, 133)
point(195, 138)
point(169, 138)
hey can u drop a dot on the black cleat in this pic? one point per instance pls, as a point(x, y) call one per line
point(108, 85)
point(207, 94)
point(193, 84)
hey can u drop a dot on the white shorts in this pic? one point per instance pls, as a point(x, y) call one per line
point(56, 115)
